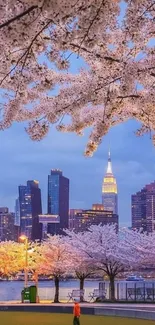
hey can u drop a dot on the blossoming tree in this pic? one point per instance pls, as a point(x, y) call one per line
point(35, 262)
point(11, 258)
point(143, 246)
point(83, 266)
point(105, 251)
point(114, 38)
point(57, 260)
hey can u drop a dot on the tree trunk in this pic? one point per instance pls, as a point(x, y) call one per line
point(56, 297)
point(81, 287)
point(112, 287)
point(36, 283)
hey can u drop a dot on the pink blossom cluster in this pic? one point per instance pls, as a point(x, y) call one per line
point(114, 38)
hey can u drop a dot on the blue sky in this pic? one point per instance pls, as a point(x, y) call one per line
point(133, 162)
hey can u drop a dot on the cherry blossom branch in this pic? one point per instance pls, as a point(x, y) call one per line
point(25, 54)
point(24, 13)
point(129, 96)
point(108, 58)
point(92, 22)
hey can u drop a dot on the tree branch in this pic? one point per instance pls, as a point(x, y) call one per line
point(24, 13)
point(92, 22)
point(129, 96)
point(107, 58)
point(25, 54)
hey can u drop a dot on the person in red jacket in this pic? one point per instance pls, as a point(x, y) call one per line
point(76, 312)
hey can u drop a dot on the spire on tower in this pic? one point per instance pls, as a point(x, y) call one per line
point(109, 189)
point(109, 155)
point(109, 167)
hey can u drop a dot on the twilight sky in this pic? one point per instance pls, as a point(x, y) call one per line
point(133, 161)
point(21, 159)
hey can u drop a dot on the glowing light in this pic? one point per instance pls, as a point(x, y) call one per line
point(23, 237)
point(36, 182)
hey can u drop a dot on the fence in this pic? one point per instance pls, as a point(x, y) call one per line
point(131, 290)
point(124, 290)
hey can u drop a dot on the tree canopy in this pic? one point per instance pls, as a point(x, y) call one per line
point(116, 41)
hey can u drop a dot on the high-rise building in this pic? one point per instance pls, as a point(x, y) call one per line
point(86, 218)
point(17, 213)
point(30, 208)
point(109, 189)
point(58, 200)
point(6, 225)
point(143, 209)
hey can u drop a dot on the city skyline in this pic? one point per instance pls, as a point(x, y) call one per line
point(22, 159)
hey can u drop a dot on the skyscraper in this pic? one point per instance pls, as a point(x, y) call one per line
point(17, 213)
point(109, 189)
point(58, 200)
point(6, 224)
point(143, 208)
point(30, 208)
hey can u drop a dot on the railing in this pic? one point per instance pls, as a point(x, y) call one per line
point(131, 290)
point(124, 290)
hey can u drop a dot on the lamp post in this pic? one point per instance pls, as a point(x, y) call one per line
point(25, 240)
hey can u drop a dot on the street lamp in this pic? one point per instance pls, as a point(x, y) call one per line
point(24, 239)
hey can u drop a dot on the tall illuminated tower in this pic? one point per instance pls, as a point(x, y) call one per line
point(109, 189)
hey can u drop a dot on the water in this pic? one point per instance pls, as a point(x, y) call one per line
point(11, 290)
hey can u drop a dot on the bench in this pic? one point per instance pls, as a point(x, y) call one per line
point(135, 293)
point(76, 294)
point(97, 293)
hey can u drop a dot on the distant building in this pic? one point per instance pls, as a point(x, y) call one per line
point(143, 208)
point(30, 208)
point(58, 200)
point(109, 190)
point(72, 216)
point(48, 223)
point(4, 210)
point(86, 218)
point(98, 207)
point(16, 233)
point(6, 225)
point(17, 212)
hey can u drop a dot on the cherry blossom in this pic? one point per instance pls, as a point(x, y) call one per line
point(57, 260)
point(143, 246)
point(82, 265)
point(106, 251)
point(116, 41)
point(11, 258)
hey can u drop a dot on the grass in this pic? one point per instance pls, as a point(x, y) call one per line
point(21, 318)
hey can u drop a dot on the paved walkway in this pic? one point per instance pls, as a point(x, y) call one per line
point(128, 310)
point(140, 306)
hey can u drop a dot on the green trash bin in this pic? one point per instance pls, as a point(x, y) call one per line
point(33, 294)
point(25, 295)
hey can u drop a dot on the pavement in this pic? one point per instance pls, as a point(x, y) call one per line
point(137, 306)
point(127, 310)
